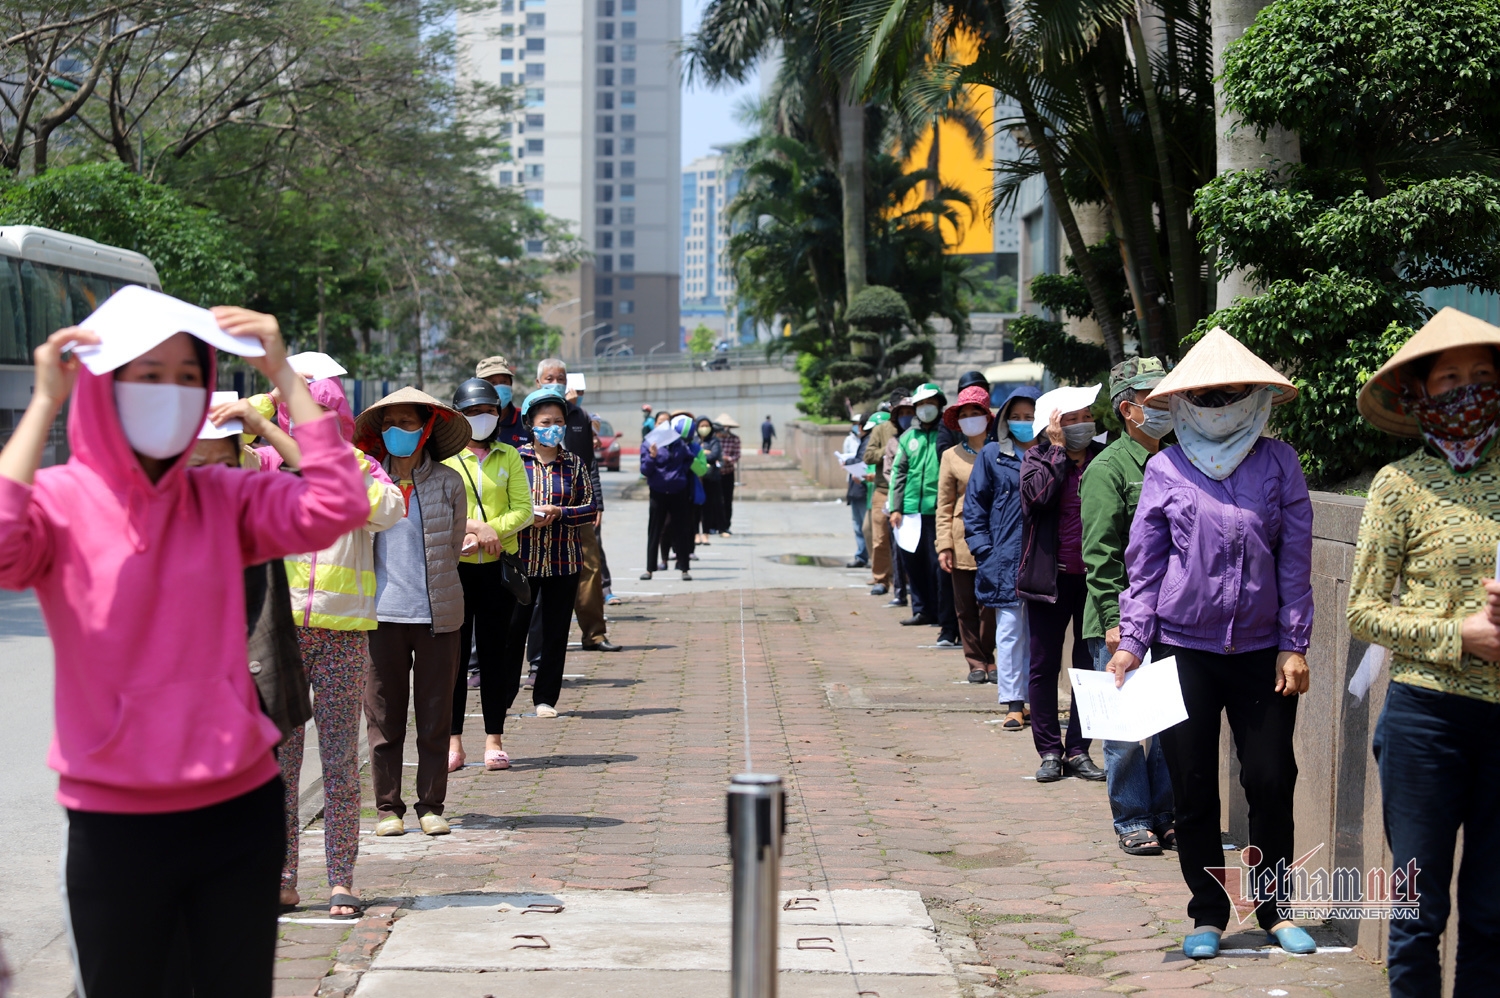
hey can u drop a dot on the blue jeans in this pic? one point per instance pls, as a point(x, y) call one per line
point(1140, 791)
point(1436, 756)
point(857, 512)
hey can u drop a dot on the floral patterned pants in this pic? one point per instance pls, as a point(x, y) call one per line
point(335, 663)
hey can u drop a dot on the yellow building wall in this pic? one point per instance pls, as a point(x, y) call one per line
point(959, 167)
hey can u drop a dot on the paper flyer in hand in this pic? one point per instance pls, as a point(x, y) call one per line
point(662, 435)
point(909, 534)
point(1150, 701)
point(134, 320)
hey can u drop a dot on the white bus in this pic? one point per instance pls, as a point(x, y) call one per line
point(48, 280)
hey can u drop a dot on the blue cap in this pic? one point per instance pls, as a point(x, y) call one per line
point(546, 393)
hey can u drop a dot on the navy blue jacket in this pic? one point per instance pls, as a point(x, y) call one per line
point(992, 525)
point(668, 472)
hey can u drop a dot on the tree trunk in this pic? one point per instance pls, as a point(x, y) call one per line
point(1136, 210)
point(1186, 306)
point(1109, 322)
point(1241, 149)
point(852, 178)
point(322, 315)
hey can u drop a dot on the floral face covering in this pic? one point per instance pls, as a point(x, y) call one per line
point(1460, 424)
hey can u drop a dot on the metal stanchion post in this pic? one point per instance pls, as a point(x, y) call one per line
point(757, 815)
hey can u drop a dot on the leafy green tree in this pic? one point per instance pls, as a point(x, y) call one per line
point(1047, 341)
point(1397, 192)
point(197, 255)
point(701, 340)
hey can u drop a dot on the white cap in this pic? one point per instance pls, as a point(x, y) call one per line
point(230, 428)
point(134, 320)
point(316, 366)
point(1063, 400)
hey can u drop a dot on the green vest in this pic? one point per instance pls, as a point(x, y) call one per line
point(920, 486)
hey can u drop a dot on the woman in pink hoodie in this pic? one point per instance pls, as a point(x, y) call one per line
point(172, 792)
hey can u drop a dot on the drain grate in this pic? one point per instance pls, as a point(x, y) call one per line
point(819, 560)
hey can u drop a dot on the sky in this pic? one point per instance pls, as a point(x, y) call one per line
point(708, 115)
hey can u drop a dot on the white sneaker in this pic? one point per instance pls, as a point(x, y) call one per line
point(545, 710)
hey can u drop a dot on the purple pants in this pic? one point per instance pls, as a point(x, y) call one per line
point(1049, 628)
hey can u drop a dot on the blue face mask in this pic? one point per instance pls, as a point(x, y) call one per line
point(1020, 429)
point(548, 436)
point(903, 421)
point(505, 393)
point(399, 442)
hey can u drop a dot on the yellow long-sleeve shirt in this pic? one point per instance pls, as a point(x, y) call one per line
point(1436, 532)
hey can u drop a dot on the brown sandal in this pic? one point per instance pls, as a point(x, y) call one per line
point(1014, 721)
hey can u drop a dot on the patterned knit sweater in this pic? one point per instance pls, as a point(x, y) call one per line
point(1435, 531)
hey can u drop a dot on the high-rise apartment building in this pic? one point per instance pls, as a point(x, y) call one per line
point(707, 279)
point(598, 145)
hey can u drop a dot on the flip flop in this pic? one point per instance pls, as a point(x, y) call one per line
point(342, 900)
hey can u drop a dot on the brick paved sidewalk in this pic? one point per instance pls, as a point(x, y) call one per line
point(625, 791)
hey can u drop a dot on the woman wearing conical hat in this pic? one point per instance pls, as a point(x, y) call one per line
point(1220, 570)
point(1432, 521)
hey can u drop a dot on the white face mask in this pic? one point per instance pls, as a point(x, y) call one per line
point(481, 425)
point(973, 425)
point(160, 421)
point(926, 413)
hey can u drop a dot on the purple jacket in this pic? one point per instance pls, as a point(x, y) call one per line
point(668, 472)
point(1223, 567)
point(1044, 472)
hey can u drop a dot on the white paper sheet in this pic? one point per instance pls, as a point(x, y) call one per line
point(134, 319)
point(662, 435)
point(316, 366)
point(576, 383)
point(853, 464)
point(1064, 400)
point(1369, 669)
point(230, 427)
point(1150, 701)
point(909, 534)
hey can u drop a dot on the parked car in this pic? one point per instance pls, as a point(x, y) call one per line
point(607, 445)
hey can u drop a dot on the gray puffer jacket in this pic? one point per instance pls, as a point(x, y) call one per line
point(445, 513)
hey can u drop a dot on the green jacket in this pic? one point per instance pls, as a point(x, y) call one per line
point(1107, 495)
point(505, 494)
point(914, 476)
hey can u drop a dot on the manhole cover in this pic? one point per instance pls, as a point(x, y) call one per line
point(820, 560)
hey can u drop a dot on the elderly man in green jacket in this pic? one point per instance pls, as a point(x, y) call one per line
point(1140, 791)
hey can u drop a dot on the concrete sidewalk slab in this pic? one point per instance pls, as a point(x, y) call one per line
point(887, 932)
point(635, 984)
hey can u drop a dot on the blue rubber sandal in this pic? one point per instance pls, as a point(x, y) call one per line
point(1201, 946)
point(1295, 940)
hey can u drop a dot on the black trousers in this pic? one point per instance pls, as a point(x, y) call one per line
point(1244, 686)
point(726, 484)
point(488, 606)
point(711, 513)
point(671, 519)
point(155, 941)
point(922, 572)
point(557, 593)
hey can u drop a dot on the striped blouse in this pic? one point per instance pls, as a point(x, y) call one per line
point(555, 549)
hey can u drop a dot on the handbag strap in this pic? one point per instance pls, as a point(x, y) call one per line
point(478, 499)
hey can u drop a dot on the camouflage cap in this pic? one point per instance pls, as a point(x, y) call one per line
point(1136, 372)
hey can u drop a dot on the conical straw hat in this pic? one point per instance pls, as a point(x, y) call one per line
point(450, 432)
point(1219, 359)
point(1380, 398)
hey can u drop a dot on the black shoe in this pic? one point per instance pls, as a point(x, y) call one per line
point(878, 589)
point(1141, 842)
point(645, 576)
point(979, 676)
point(530, 679)
point(603, 644)
point(687, 577)
point(897, 601)
point(857, 563)
point(1051, 769)
point(943, 642)
point(918, 620)
point(1083, 767)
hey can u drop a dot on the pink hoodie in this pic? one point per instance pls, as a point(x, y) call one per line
point(142, 589)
